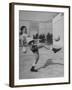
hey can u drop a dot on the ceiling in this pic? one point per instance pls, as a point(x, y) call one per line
point(36, 15)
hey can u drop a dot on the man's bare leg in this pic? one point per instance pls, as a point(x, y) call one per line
point(35, 62)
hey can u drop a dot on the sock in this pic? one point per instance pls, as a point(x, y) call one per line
point(34, 65)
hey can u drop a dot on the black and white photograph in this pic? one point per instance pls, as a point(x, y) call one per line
point(41, 39)
point(41, 44)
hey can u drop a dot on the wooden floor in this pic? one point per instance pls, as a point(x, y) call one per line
point(49, 65)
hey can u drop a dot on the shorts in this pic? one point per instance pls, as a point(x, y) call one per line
point(34, 49)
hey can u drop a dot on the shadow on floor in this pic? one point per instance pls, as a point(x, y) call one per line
point(49, 62)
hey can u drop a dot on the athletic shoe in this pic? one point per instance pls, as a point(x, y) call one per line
point(33, 69)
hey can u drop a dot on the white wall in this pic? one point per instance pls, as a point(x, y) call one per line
point(58, 29)
point(36, 22)
point(4, 44)
point(34, 27)
point(45, 27)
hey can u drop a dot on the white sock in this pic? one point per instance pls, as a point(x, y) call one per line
point(34, 65)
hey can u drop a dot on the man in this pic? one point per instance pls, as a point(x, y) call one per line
point(34, 49)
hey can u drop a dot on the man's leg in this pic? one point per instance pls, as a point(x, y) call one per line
point(35, 62)
point(24, 47)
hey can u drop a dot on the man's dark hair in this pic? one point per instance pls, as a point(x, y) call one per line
point(22, 27)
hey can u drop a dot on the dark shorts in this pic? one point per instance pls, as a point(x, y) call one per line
point(34, 49)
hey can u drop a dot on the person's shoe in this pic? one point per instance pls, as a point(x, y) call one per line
point(33, 69)
point(56, 50)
